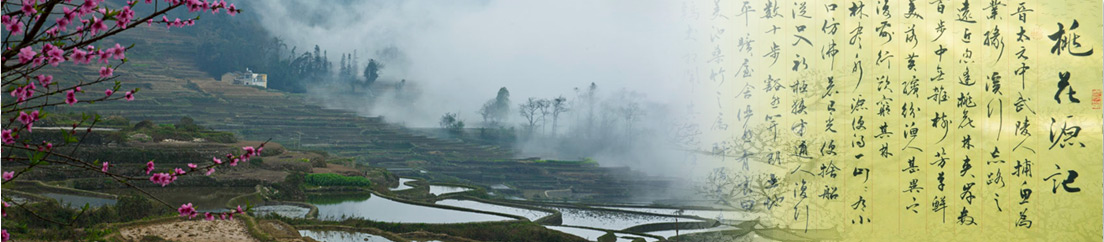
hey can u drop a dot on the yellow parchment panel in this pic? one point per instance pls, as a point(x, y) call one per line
point(906, 120)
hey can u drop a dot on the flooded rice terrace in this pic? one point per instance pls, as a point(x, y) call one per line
point(342, 236)
point(206, 199)
point(441, 190)
point(586, 222)
point(377, 208)
point(530, 214)
point(610, 220)
point(287, 211)
point(78, 201)
point(582, 222)
point(402, 184)
point(592, 234)
point(719, 215)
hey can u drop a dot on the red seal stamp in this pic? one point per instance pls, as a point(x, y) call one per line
point(1096, 100)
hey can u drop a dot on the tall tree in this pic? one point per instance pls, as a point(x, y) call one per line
point(529, 110)
point(591, 96)
point(487, 112)
point(371, 72)
point(544, 107)
point(559, 106)
point(496, 110)
point(502, 104)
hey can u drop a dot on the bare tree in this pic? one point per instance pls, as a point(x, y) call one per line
point(488, 113)
point(631, 111)
point(529, 111)
point(544, 107)
point(591, 96)
point(559, 106)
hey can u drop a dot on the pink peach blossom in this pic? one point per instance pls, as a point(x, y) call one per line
point(187, 210)
point(149, 167)
point(26, 54)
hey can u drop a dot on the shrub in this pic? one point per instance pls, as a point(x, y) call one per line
point(608, 237)
point(134, 206)
point(318, 162)
point(288, 190)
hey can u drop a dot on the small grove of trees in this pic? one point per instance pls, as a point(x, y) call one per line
point(531, 111)
point(496, 110)
point(348, 72)
point(592, 123)
point(233, 45)
point(537, 111)
point(452, 123)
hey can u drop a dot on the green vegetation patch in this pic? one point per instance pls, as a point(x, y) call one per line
point(331, 179)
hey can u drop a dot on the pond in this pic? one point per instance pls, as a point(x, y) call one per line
point(610, 219)
point(205, 199)
point(335, 235)
point(532, 215)
point(287, 211)
point(376, 208)
point(441, 190)
point(16, 198)
point(720, 215)
point(592, 235)
point(78, 201)
point(402, 184)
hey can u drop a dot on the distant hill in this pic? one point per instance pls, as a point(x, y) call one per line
point(163, 66)
point(173, 87)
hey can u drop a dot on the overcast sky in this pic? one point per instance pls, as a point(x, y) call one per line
point(461, 52)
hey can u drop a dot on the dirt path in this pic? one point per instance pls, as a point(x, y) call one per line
point(191, 231)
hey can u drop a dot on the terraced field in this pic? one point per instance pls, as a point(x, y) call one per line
point(172, 88)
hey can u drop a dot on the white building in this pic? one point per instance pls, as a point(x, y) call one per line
point(251, 79)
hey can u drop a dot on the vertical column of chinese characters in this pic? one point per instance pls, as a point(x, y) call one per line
point(719, 76)
point(747, 101)
point(994, 130)
point(806, 90)
point(748, 97)
point(967, 154)
point(815, 25)
point(939, 112)
point(776, 137)
point(913, 168)
point(1069, 77)
point(859, 80)
point(884, 95)
point(1025, 118)
point(832, 159)
point(746, 105)
point(689, 133)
